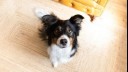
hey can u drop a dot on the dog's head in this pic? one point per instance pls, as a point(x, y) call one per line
point(62, 32)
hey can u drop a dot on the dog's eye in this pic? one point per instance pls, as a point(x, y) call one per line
point(57, 32)
point(69, 31)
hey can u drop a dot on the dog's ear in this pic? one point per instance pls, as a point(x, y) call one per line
point(76, 19)
point(49, 19)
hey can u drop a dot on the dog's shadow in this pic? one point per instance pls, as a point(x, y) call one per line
point(43, 42)
point(32, 39)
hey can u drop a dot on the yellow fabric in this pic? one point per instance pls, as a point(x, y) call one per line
point(92, 7)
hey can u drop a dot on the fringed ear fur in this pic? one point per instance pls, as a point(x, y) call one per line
point(76, 19)
point(49, 19)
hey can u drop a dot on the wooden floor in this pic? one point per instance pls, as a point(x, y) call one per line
point(103, 43)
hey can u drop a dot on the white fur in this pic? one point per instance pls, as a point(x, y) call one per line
point(59, 55)
point(73, 51)
point(41, 12)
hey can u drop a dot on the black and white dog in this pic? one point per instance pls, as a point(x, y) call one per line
point(61, 35)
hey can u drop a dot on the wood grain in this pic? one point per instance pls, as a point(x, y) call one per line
point(102, 43)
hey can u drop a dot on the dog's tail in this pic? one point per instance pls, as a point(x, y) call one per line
point(40, 12)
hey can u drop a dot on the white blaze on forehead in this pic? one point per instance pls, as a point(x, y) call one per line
point(64, 37)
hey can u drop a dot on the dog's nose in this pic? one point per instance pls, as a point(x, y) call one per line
point(63, 41)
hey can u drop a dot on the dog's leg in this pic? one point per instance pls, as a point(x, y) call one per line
point(53, 58)
point(54, 64)
point(54, 61)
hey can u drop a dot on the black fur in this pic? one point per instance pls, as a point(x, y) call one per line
point(51, 23)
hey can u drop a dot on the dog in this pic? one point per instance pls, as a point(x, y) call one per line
point(61, 36)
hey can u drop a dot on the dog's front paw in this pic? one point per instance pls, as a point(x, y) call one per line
point(55, 64)
point(64, 60)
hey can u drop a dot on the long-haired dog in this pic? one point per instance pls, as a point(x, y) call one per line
point(61, 36)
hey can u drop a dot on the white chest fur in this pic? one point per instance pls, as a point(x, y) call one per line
point(59, 55)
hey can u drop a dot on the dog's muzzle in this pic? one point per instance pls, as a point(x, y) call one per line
point(63, 41)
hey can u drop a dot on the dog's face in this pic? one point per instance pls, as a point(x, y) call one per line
point(62, 32)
